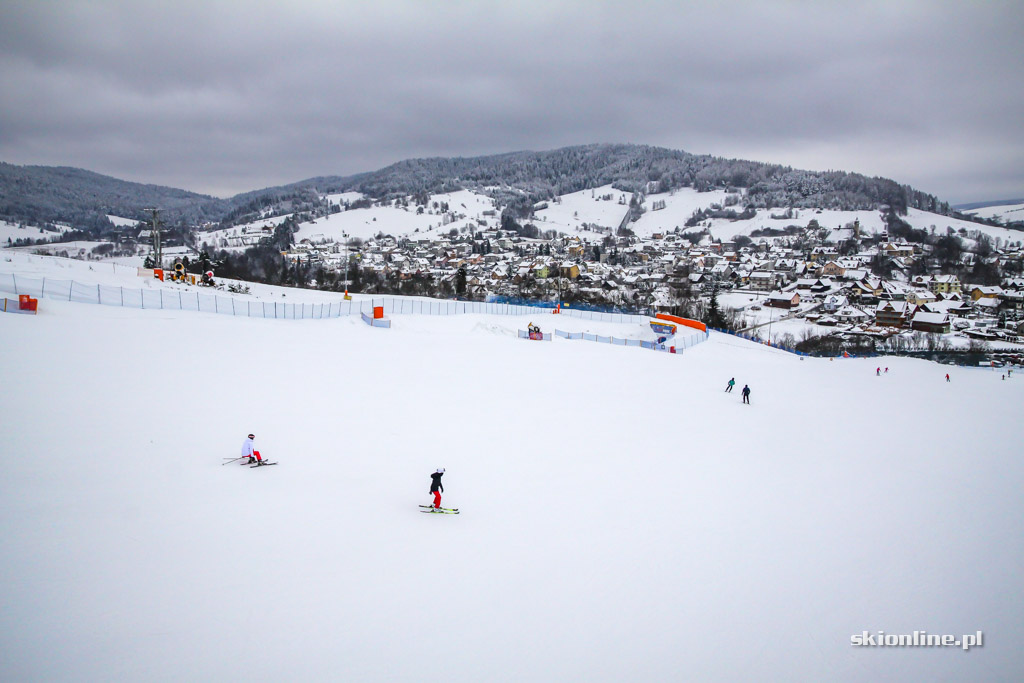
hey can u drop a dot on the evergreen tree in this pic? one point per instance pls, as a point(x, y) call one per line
point(715, 318)
point(460, 281)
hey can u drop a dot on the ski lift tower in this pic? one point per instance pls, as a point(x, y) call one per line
point(157, 252)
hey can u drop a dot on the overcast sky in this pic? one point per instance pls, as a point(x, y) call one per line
point(226, 97)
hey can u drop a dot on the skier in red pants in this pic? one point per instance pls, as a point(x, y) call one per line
point(249, 451)
point(435, 486)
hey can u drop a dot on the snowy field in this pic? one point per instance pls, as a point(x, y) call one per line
point(394, 221)
point(122, 222)
point(1005, 213)
point(924, 220)
point(586, 206)
point(622, 517)
point(680, 206)
point(13, 232)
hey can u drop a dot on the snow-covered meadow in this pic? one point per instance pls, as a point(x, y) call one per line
point(398, 221)
point(600, 206)
point(14, 231)
point(1002, 212)
point(680, 205)
point(622, 517)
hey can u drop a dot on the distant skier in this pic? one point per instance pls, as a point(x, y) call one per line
point(746, 394)
point(887, 371)
point(878, 372)
point(436, 487)
point(732, 383)
point(947, 376)
point(249, 451)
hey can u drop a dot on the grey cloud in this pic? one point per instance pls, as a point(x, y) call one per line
point(225, 97)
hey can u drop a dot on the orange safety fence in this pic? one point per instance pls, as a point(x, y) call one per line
point(696, 324)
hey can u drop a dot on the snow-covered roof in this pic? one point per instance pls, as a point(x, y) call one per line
point(931, 318)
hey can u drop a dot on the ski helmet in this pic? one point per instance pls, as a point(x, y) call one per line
point(440, 470)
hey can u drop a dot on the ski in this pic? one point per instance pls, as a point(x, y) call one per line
point(440, 511)
point(433, 508)
point(262, 464)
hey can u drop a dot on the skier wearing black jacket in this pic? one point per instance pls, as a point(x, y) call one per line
point(436, 487)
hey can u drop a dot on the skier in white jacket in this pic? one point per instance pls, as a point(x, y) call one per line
point(248, 450)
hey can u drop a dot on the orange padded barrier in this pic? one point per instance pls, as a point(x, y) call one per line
point(696, 324)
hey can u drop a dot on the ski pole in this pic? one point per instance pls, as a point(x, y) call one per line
point(234, 460)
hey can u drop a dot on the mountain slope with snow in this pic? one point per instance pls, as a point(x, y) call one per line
point(622, 517)
point(1005, 213)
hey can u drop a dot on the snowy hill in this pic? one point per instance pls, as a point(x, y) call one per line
point(680, 205)
point(622, 517)
point(1004, 213)
point(465, 208)
point(14, 232)
point(603, 207)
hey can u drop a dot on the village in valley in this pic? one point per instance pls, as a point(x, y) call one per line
point(784, 276)
point(796, 275)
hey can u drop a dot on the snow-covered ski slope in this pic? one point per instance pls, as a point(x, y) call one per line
point(622, 518)
point(118, 285)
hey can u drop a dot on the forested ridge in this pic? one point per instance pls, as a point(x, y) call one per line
point(42, 194)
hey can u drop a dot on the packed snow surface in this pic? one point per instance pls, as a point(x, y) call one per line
point(622, 517)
